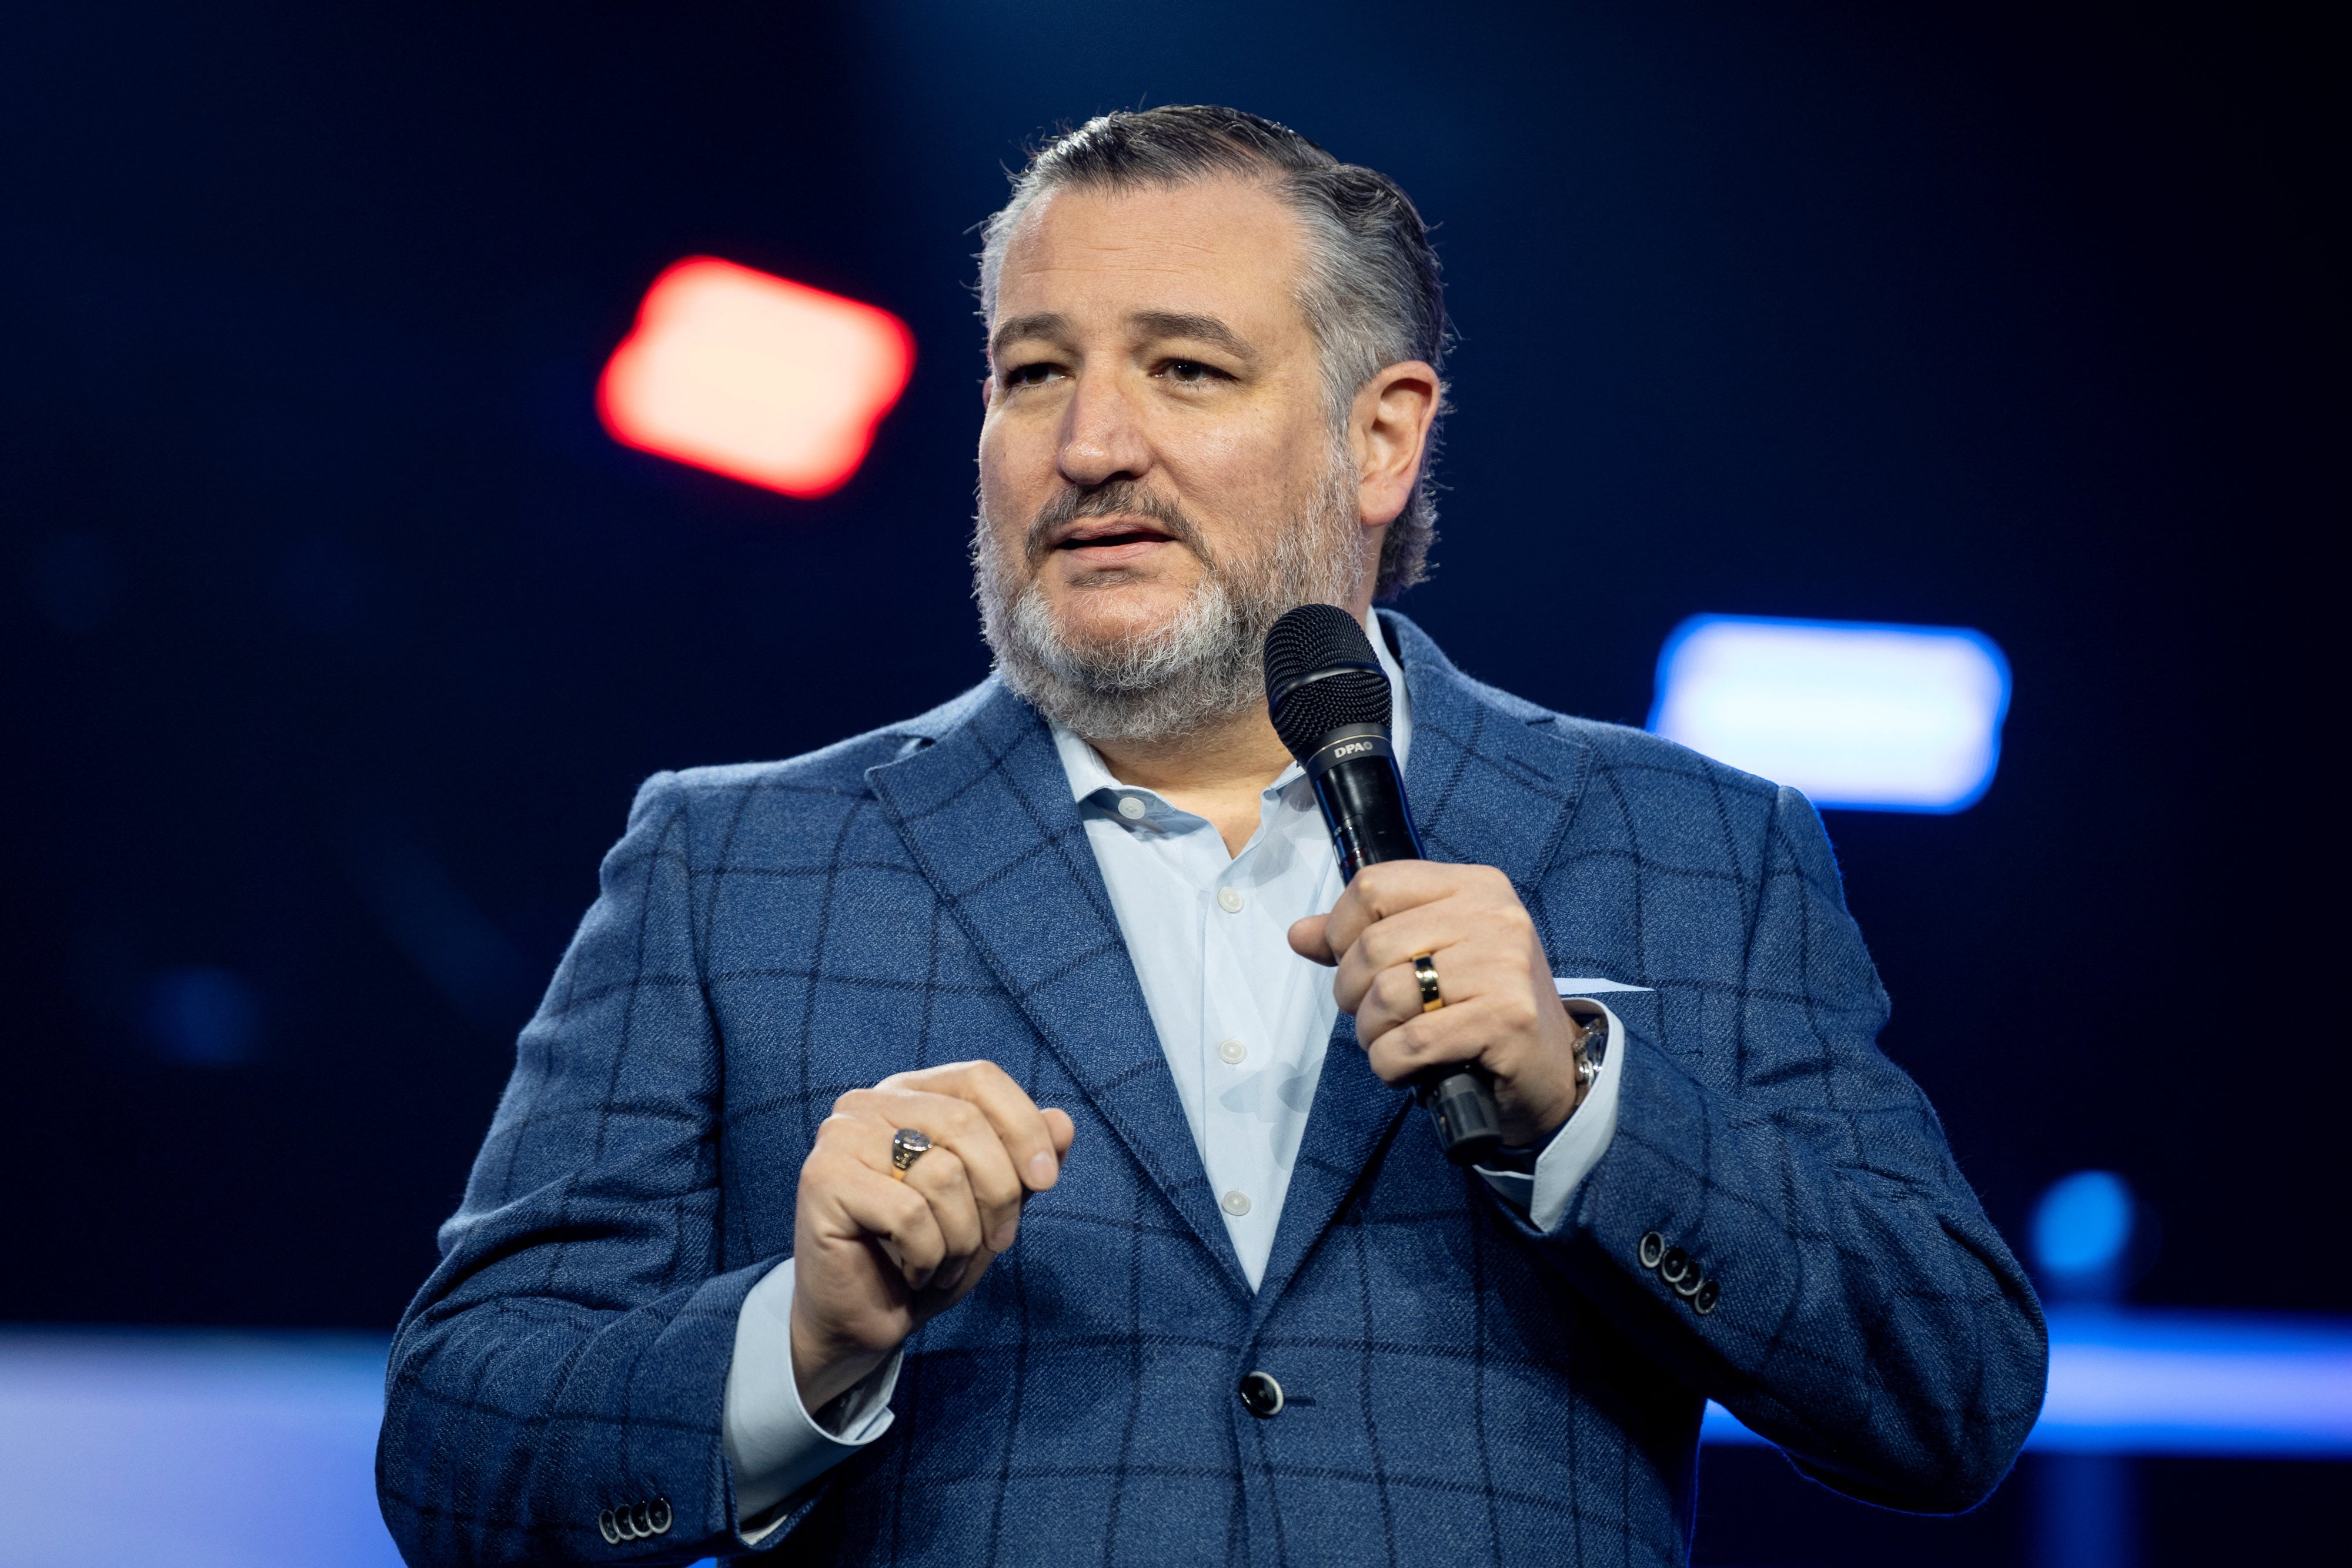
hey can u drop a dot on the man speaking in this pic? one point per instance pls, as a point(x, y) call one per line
point(991, 1139)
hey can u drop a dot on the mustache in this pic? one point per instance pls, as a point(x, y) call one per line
point(1113, 497)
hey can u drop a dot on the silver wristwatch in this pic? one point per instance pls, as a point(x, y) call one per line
point(1591, 1051)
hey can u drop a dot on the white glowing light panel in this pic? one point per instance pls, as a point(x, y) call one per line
point(755, 377)
point(1854, 713)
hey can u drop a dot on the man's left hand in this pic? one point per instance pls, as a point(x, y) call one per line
point(1501, 1008)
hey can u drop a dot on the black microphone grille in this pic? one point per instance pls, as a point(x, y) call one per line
point(1321, 676)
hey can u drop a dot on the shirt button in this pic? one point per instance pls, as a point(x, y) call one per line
point(1230, 1051)
point(1229, 899)
point(1131, 808)
point(1236, 1203)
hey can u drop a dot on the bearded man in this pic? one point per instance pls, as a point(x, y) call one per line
point(956, 1146)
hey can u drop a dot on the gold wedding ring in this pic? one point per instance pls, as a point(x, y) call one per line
point(907, 1146)
point(1424, 969)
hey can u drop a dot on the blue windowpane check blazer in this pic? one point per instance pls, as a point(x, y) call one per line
point(1461, 1388)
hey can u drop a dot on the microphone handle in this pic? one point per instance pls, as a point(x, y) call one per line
point(1363, 795)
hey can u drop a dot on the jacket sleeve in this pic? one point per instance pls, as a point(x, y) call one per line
point(568, 1356)
point(1841, 1289)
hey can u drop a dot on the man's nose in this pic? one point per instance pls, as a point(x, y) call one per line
point(1102, 436)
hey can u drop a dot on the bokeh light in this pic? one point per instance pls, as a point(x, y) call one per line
point(2083, 1225)
point(755, 377)
point(1890, 718)
point(203, 1015)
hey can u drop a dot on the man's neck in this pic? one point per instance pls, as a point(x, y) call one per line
point(1219, 773)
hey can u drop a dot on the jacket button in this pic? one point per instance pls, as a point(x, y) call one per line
point(1653, 1247)
point(1690, 1284)
point(1703, 1302)
point(1260, 1394)
point(611, 1531)
point(1670, 1266)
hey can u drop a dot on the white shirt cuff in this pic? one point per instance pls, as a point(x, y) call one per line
point(1579, 1144)
point(775, 1445)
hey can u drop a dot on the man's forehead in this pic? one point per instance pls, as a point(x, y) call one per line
point(1217, 246)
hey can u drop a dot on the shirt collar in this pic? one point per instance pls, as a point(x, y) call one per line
point(1083, 765)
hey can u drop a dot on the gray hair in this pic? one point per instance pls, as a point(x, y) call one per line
point(1371, 293)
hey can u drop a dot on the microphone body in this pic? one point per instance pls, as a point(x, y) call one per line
point(1331, 705)
point(1363, 795)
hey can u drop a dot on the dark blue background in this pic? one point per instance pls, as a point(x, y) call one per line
point(336, 634)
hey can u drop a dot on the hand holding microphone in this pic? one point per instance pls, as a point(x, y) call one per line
point(1494, 1059)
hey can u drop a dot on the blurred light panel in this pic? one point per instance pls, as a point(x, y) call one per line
point(2145, 1381)
point(213, 1450)
point(755, 377)
point(119, 1447)
point(1854, 713)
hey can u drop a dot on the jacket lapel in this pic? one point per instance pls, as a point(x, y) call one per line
point(987, 813)
point(1492, 783)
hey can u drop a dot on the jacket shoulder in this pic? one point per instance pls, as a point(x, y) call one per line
point(1647, 763)
point(833, 774)
point(1624, 750)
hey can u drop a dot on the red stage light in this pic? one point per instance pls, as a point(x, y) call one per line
point(755, 377)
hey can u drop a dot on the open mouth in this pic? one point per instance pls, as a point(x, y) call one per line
point(1112, 533)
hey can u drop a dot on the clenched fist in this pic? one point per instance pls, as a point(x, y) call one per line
point(874, 1258)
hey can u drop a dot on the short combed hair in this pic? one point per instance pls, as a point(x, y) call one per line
point(1371, 292)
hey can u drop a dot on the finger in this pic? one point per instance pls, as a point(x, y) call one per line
point(1061, 1130)
point(940, 1175)
point(1433, 928)
point(890, 1212)
point(1391, 888)
point(953, 1124)
point(1420, 1043)
point(1307, 939)
point(1350, 915)
point(1386, 1000)
point(1019, 1126)
point(1466, 978)
point(1487, 918)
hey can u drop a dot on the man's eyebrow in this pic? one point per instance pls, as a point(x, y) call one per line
point(1181, 324)
point(1036, 324)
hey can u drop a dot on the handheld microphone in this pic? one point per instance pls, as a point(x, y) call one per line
point(1331, 704)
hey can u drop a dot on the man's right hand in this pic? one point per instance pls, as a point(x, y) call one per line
point(874, 1258)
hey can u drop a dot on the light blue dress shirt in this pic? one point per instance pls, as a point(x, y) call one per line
point(1243, 1018)
point(1245, 1022)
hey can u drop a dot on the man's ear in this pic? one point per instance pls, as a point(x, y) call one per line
point(1387, 430)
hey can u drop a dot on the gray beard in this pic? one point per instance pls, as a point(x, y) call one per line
point(1200, 669)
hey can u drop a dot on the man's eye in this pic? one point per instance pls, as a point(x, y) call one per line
point(1190, 370)
point(1029, 375)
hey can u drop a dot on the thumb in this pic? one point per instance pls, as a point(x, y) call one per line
point(1308, 939)
point(1061, 1129)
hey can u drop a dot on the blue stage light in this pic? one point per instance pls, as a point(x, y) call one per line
point(203, 1015)
point(2081, 1224)
point(1854, 713)
point(2137, 1380)
point(276, 1431)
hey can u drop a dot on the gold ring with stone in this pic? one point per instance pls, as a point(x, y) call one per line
point(907, 1146)
point(1424, 969)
